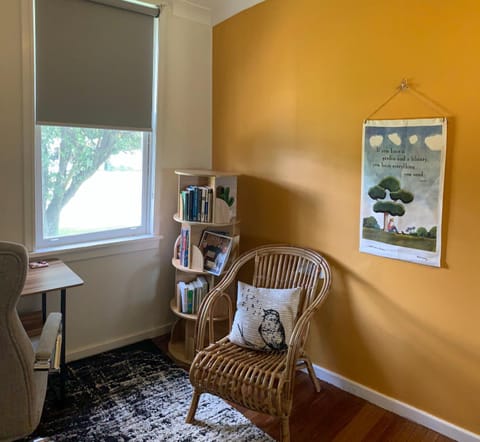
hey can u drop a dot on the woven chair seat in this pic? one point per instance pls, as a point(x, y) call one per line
point(250, 378)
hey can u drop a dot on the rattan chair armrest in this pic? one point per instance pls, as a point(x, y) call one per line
point(300, 332)
point(295, 345)
point(206, 309)
point(206, 318)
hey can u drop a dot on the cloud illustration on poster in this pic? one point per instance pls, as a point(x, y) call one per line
point(434, 142)
point(376, 140)
point(413, 139)
point(395, 139)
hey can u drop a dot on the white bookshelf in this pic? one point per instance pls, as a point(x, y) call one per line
point(221, 217)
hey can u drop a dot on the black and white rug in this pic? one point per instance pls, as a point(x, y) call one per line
point(137, 394)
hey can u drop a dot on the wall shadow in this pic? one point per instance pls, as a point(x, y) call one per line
point(262, 199)
point(346, 348)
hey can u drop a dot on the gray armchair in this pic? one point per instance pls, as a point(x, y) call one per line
point(23, 368)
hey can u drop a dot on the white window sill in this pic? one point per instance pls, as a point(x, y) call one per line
point(97, 249)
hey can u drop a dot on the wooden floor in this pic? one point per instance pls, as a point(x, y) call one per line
point(334, 415)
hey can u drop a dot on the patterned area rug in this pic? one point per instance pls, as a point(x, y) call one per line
point(137, 394)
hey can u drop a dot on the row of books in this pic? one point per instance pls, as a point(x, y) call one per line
point(196, 204)
point(184, 247)
point(191, 294)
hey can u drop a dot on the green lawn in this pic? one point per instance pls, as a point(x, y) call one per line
point(397, 239)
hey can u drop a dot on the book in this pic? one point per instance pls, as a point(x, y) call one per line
point(178, 297)
point(209, 205)
point(183, 209)
point(190, 295)
point(204, 288)
point(182, 294)
point(195, 203)
point(184, 248)
point(190, 203)
point(194, 191)
point(203, 204)
point(197, 286)
point(215, 249)
point(190, 291)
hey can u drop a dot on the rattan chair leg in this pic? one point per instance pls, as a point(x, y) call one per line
point(193, 407)
point(311, 372)
point(285, 434)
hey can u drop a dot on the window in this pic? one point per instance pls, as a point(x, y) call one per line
point(93, 183)
point(94, 78)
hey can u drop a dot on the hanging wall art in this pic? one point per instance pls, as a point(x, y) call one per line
point(403, 172)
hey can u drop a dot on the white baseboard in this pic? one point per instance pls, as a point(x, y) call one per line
point(397, 407)
point(97, 348)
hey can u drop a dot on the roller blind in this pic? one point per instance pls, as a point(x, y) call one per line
point(94, 63)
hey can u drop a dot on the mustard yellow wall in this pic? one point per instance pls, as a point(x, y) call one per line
point(292, 83)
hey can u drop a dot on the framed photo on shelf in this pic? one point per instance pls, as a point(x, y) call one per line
point(215, 248)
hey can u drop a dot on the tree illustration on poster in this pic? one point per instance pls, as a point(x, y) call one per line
point(379, 192)
point(402, 189)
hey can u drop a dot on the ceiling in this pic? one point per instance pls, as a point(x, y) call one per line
point(223, 9)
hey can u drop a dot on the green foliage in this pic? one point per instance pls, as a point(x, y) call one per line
point(377, 192)
point(409, 241)
point(224, 194)
point(394, 209)
point(108, 167)
point(390, 183)
point(402, 195)
point(432, 233)
point(370, 222)
point(422, 232)
point(72, 155)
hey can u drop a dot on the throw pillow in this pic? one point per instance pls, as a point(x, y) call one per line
point(265, 317)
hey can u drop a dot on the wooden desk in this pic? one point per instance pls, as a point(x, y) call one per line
point(57, 276)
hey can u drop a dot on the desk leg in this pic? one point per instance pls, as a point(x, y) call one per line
point(63, 365)
point(44, 307)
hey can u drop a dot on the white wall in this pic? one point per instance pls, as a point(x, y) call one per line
point(11, 165)
point(127, 289)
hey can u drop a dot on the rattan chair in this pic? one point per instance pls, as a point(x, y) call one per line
point(260, 381)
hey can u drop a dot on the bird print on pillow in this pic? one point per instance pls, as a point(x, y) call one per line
point(272, 331)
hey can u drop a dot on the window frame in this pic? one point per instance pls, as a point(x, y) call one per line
point(33, 206)
point(145, 227)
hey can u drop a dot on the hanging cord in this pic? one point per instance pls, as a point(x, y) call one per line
point(405, 87)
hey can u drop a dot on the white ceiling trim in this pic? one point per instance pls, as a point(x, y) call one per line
point(199, 12)
point(223, 9)
point(210, 12)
